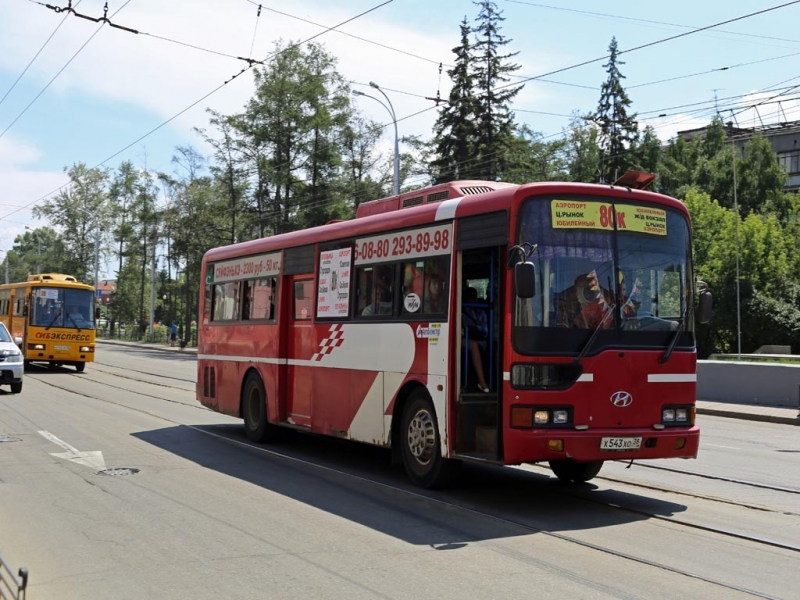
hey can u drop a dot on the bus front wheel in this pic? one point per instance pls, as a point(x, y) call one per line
point(80, 366)
point(421, 448)
point(570, 471)
point(254, 410)
point(16, 388)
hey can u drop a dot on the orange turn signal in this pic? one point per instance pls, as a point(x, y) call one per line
point(555, 445)
point(680, 443)
point(521, 416)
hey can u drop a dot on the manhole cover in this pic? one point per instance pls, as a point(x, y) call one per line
point(5, 438)
point(118, 472)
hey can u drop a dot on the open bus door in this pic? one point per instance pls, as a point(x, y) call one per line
point(480, 275)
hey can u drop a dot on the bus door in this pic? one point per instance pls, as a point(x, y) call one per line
point(299, 344)
point(480, 382)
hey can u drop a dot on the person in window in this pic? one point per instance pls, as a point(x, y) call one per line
point(630, 302)
point(435, 301)
point(76, 317)
point(475, 330)
point(382, 305)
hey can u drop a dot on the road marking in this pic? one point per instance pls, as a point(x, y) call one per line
point(92, 459)
point(718, 446)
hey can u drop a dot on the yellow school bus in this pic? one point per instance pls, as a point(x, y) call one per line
point(54, 314)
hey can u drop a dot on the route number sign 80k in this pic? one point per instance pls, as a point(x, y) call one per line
point(428, 241)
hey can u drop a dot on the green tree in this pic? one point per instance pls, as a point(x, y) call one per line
point(583, 151)
point(494, 118)
point(531, 158)
point(618, 129)
point(456, 128)
point(81, 214)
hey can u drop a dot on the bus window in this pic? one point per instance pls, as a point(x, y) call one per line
point(259, 299)
point(426, 289)
point(303, 298)
point(226, 301)
point(376, 290)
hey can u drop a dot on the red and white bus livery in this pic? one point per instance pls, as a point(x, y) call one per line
point(471, 321)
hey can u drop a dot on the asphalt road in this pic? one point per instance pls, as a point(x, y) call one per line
point(203, 513)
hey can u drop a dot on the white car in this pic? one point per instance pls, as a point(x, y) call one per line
point(11, 363)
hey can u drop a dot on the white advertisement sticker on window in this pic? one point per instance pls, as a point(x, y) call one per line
point(333, 296)
point(248, 267)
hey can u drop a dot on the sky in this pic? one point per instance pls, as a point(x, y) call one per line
point(73, 90)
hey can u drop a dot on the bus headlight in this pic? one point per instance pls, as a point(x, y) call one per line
point(677, 415)
point(560, 416)
point(35, 346)
point(87, 349)
point(540, 417)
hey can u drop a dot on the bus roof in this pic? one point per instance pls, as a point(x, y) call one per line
point(388, 214)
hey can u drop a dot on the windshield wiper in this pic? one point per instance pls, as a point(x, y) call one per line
point(674, 339)
point(609, 310)
point(53, 321)
point(73, 322)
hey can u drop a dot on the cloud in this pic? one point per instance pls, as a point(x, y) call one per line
point(14, 152)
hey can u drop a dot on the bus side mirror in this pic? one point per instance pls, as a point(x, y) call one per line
point(525, 279)
point(25, 311)
point(96, 312)
point(704, 312)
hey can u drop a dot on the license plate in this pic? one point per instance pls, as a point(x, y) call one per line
point(62, 348)
point(620, 443)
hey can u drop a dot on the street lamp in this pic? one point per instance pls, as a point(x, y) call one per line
point(390, 108)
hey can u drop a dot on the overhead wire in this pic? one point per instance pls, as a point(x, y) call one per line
point(35, 56)
point(193, 104)
point(31, 103)
point(646, 21)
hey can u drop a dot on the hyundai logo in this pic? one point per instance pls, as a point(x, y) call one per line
point(621, 399)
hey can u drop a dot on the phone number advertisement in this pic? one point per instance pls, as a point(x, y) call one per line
point(429, 241)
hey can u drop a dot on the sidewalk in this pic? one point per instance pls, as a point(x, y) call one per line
point(789, 416)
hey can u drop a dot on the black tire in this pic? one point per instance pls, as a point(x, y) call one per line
point(420, 444)
point(51, 365)
point(16, 388)
point(571, 471)
point(80, 366)
point(254, 410)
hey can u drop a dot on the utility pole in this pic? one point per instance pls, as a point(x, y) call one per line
point(153, 294)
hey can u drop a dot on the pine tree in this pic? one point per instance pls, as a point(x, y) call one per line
point(495, 120)
point(455, 129)
point(618, 130)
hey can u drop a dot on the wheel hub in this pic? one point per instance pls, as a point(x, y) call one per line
point(422, 437)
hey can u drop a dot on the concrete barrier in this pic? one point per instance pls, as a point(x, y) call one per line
point(749, 383)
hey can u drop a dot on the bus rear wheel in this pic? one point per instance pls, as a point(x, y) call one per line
point(254, 410)
point(421, 447)
point(571, 471)
point(80, 366)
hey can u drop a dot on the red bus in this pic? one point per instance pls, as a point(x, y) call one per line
point(584, 349)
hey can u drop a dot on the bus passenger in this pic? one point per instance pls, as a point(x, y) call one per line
point(475, 331)
point(435, 300)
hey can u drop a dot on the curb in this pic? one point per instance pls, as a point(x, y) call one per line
point(716, 412)
point(149, 346)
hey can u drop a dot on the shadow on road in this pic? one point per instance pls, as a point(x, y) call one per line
point(356, 482)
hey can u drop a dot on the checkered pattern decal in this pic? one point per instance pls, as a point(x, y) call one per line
point(334, 339)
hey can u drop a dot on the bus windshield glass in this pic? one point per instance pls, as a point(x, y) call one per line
point(619, 269)
point(62, 307)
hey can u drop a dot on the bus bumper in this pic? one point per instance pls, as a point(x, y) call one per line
point(521, 445)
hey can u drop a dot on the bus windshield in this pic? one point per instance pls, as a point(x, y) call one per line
point(62, 307)
point(630, 284)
